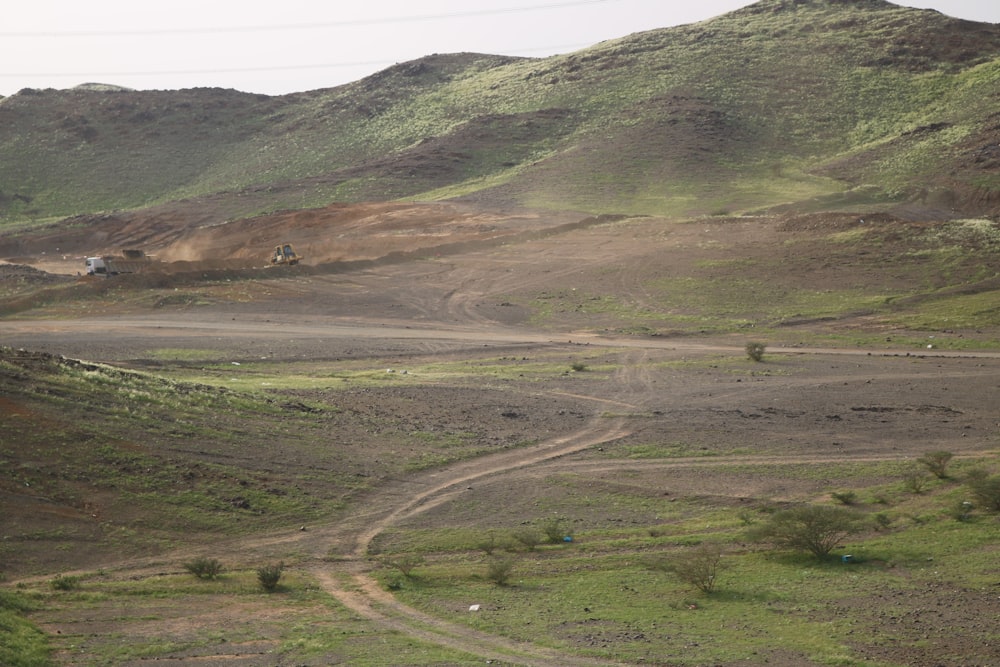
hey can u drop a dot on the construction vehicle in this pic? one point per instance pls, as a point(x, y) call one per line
point(130, 261)
point(284, 254)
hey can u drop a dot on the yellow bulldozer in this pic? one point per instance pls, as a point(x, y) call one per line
point(285, 255)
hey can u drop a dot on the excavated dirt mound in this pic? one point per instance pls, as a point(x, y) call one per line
point(196, 235)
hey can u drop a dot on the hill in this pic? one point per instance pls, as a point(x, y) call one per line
point(508, 394)
point(806, 104)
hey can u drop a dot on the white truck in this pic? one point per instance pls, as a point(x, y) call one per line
point(130, 261)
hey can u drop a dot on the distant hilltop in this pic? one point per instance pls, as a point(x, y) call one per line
point(103, 87)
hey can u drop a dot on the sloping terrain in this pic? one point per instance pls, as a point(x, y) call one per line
point(776, 104)
point(524, 303)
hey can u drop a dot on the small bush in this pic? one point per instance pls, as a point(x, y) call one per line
point(845, 497)
point(499, 570)
point(936, 462)
point(817, 529)
point(755, 351)
point(578, 366)
point(881, 499)
point(269, 576)
point(528, 537)
point(962, 511)
point(555, 532)
point(204, 568)
point(65, 582)
point(490, 544)
point(985, 488)
point(405, 563)
point(697, 566)
point(914, 480)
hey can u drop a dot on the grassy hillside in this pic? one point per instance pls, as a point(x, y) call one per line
point(777, 103)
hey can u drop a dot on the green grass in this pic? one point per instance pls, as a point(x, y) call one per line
point(595, 596)
point(21, 643)
point(970, 311)
point(266, 376)
point(184, 354)
point(151, 617)
point(704, 305)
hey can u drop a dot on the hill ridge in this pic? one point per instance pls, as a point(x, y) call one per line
point(749, 110)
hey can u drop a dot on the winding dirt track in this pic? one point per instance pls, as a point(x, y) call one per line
point(440, 309)
point(337, 554)
point(358, 591)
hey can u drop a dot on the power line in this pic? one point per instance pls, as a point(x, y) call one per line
point(301, 26)
point(234, 70)
point(268, 68)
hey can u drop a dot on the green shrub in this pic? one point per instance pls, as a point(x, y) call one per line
point(936, 462)
point(755, 350)
point(962, 510)
point(697, 566)
point(404, 563)
point(490, 544)
point(555, 532)
point(65, 582)
point(528, 537)
point(499, 569)
point(985, 488)
point(269, 576)
point(204, 568)
point(817, 529)
point(845, 497)
point(914, 480)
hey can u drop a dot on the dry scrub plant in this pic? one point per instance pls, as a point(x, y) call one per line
point(936, 463)
point(697, 566)
point(755, 350)
point(204, 568)
point(499, 569)
point(269, 576)
point(817, 529)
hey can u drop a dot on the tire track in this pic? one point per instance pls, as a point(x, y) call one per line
point(356, 588)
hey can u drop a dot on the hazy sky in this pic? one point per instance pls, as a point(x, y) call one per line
point(277, 47)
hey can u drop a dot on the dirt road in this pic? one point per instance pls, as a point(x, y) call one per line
point(639, 385)
point(805, 405)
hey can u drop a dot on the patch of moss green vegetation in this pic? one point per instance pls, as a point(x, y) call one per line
point(597, 595)
point(21, 643)
point(745, 301)
point(704, 305)
point(151, 615)
point(265, 376)
point(970, 311)
point(183, 354)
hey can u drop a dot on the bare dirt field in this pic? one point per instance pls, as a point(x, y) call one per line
point(385, 288)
